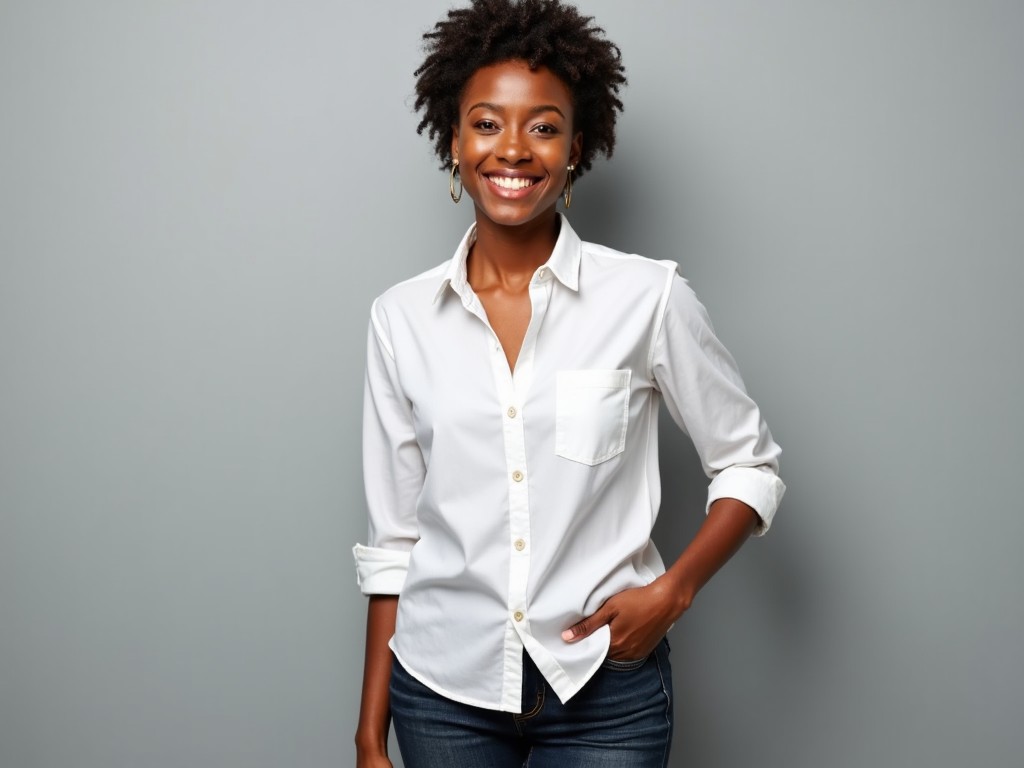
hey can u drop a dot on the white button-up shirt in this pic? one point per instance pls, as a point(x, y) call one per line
point(505, 506)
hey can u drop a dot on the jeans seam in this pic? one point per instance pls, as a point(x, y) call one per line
point(668, 704)
point(624, 665)
point(522, 717)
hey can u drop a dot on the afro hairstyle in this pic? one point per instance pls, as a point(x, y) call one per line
point(543, 33)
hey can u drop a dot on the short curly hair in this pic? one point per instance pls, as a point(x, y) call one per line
point(543, 33)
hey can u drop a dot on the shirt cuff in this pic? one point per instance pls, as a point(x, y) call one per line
point(380, 571)
point(757, 488)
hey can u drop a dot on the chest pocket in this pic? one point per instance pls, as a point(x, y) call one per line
point(591, 414)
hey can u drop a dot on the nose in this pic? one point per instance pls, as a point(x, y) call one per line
point(512, 148)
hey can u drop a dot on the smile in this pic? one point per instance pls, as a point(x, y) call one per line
point(513, 183)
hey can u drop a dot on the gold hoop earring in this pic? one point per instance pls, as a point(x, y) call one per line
point(567, 193)
point(451, 182)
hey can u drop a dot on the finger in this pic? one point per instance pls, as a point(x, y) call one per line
point(586, 627)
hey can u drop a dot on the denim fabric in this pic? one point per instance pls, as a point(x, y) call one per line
point(622, 718)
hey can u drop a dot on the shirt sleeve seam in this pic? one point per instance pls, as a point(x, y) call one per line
point(378, 330)
point(659, 320)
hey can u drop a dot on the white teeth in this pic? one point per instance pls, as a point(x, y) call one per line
point(507, 182)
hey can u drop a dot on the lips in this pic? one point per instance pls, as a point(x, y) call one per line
point(512, 186)
point(513, 183)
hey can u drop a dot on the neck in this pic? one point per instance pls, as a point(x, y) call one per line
point(512, 252)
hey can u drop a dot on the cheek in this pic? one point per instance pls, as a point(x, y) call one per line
point(556, 157)
point(474, 147)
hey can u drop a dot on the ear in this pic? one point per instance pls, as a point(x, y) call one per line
point(576, 149)
point(455, 142)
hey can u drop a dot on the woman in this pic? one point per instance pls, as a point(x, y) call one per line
point(510, 433)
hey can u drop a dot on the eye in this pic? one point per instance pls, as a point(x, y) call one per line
point(485, 125)
point(546, 129)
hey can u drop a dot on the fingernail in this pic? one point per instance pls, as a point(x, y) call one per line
point(567, 635)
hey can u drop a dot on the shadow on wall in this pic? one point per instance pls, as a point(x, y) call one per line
point(757, 633)
point(754, 621)
point(748, 625)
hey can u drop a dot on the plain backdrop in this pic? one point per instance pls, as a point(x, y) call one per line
point(198, 202)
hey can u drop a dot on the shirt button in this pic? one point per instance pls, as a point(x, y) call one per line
point(518, 615)
point(517, 476)
point(520, 545)
point(511, 411)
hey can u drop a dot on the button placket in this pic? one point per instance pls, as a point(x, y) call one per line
point(512, 388)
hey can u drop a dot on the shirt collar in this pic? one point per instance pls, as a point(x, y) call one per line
point(564, 262)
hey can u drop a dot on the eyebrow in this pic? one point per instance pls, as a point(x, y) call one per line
point(498, 108)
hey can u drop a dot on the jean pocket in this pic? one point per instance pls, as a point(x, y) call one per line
point(591, 414)
point(624, 665)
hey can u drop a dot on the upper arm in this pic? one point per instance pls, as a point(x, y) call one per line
point(706, 397)
point(393, 466)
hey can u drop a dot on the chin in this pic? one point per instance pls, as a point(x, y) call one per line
point(512, 216)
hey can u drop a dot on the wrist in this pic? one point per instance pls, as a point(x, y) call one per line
point(371, 742)
point(679, 593)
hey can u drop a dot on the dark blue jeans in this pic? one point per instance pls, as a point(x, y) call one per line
point(622, 718)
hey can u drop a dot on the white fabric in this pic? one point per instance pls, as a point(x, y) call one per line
point(504, 508)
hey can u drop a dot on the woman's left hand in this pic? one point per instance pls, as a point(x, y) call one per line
point(637, 618)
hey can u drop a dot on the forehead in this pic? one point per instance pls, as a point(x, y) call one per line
point(513, 83)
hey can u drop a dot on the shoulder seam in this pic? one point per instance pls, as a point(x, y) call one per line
point(659, 315)
point(378, 330)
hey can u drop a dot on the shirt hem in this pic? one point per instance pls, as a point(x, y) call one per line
point(440, 691)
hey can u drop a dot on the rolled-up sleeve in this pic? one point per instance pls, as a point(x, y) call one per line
point(393, 468)
point(705, 396)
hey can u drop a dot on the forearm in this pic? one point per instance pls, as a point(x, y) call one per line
point(728, 524)
point(374, 712)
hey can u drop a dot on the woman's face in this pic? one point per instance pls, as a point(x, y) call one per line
point(514, 141)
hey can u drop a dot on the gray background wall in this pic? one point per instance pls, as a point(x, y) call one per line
point(198, 200)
